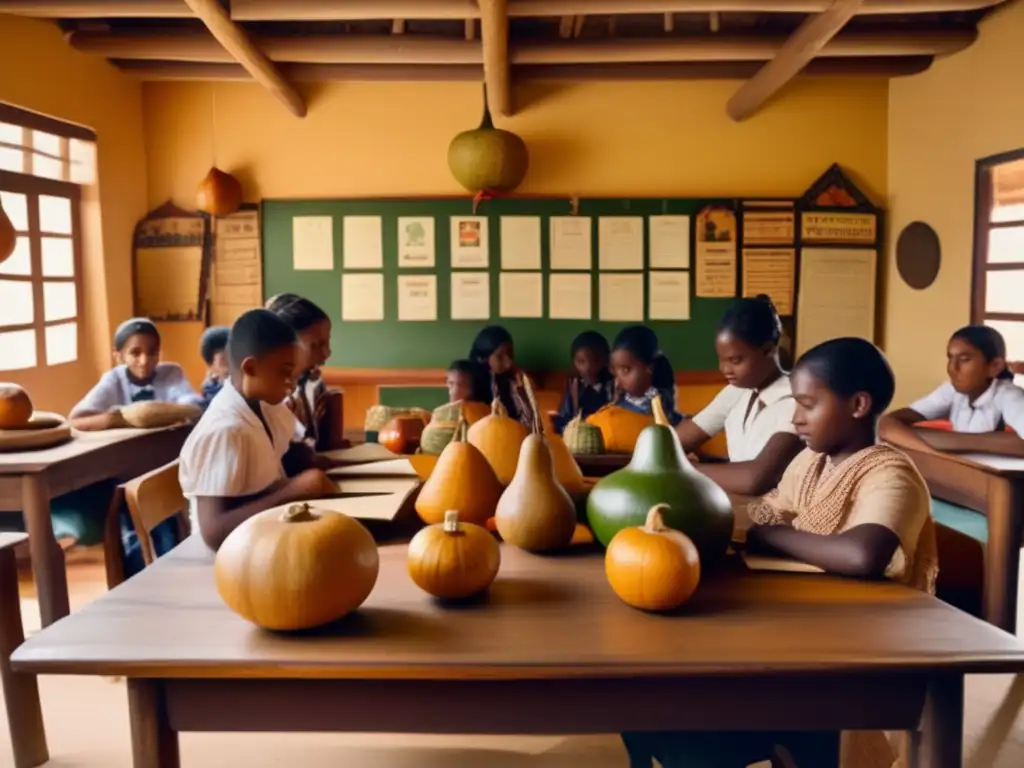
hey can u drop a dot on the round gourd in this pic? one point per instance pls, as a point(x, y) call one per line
point(620, 427)
point(653, 567)
point(453, 559)
point(462, 479)
point(401, 434)
point(219, 194)
point(15, 407)
point(296, 569)
point(488, 158)
point(498, 437)
point(8, 238)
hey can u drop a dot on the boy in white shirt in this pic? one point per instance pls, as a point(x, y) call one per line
point(241, 459)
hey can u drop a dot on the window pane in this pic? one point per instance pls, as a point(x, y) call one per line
point(16, 208)
point(59, 302)
point(1004, 291)
point(20, 262)
point(1013, 333)
point(1006, 244)
point(15, 302)
point(58, 257)
point(46, 142)
point(12, 160)
point(18, 350)
point(47, 167)
point(83, 161)
point(55, 214)
point(1008, 191)
point(11, 134)
point(1008, 212)
point(61, 343)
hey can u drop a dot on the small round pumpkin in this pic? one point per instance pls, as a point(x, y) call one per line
point(296, 569)
point(15, 407)
point(652, 567)
point(219, 194)
point(8, 238)
point(402, 434)
point(453, 559)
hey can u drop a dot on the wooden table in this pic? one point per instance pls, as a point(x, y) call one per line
point(30, 479)
point(993, 486)
point(551, 651)
point(21, 692)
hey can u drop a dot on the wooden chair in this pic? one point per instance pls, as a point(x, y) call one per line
point(150, 499)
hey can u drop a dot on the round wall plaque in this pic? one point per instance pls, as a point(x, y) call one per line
point(918, 255)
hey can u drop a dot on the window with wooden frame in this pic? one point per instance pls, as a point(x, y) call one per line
point(43, 165)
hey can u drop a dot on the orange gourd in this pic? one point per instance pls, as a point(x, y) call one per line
point(620, 427)
point(296, 569)
point(453, 559)
point(402, 434)
point(568, 472)
point(219, 194)
point(498, 437)
point(15, 407)
point(8, 238)
point(473, 411)
point(652, 567)
point(462, 480)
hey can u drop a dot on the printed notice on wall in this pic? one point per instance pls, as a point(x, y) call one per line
point(471, 295)
point(716, 253)
point(569, 297)
point(362, 296)
point(417, 298)
point(416, 242)
point(621, 297)
point(770, 271)
point(312, 243)
point(520, 242)
point(571, 246)
point(670, 242)
point(521, 294)
point(469, 242)
point(837, 295)
point(823, 227)
point(362, 247)
point(669, 295)
point(620, 242)
point(768, 227)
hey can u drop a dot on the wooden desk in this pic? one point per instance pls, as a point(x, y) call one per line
point(552, 650)
point(993, 486)
point(21, 692)
point(30, 479)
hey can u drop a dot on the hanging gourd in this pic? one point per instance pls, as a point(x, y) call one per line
point(453, 559)
point(498, 437)
point(8, 239)
point(463, 480)
point(219, 194)
point(652, 567)
point(488, 159)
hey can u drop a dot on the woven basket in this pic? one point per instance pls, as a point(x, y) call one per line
point(583, 439)
point(44, 430)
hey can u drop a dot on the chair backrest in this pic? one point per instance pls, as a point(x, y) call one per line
point(152, 498)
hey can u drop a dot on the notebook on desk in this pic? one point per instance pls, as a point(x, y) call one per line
point(778, 564)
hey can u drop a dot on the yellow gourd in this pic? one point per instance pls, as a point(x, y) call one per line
point(463, 480)
point(453, 559)
point(498, 437)
point(620, 427)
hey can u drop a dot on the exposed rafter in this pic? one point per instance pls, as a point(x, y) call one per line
point(494, 43)
point(801, 48)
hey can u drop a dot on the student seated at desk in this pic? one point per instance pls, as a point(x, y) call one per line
point(755, 410)
point(241, 459)
point(213, 348)
point(459, 381)
point(848, 505)
point(495, 375)
point(591, 385)
point(980, 400)
point(642, 372)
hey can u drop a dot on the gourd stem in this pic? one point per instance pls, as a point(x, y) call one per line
point(298, 513)
point(459, 436)
point(498, 408)
point(655, 522)
point(451, 521)
point(538, 426)
point(486, 122)
point(659, 412)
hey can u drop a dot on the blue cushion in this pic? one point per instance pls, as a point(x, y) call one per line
point(962, 519)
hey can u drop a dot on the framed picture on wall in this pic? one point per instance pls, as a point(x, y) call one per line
point(171, 264)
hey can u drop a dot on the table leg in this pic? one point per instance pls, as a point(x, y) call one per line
point(21, 691)
point(940, 741)
point(1002, 553)
point(47, 556)
point(154, 744)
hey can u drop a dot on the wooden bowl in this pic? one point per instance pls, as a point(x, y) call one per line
point(44, 430)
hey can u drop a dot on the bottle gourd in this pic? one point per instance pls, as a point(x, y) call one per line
point(461, 480)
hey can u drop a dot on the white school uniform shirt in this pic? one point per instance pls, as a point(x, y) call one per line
point(115, 390)
point(1002, 401)
point(748, 428)
point(230, 452)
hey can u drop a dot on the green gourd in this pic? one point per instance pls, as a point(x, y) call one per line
point(488, 158)
point(660, 473)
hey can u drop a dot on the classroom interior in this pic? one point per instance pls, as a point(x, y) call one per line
point(907, 128)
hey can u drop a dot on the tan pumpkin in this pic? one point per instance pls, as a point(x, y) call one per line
point(463, 480)
point(8, 237)
point(151, 414)
point(402, 434)
point(15, 406)
point(498, 437)
point(652, 567)
point(219, 194)
point(453, 559)
point(296, 568)
point(620, 427)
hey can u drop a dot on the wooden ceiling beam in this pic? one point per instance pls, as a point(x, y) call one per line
point(419, 49)
point(494, 42)
point(236, 42)
point(797, 52)
point(398, 27)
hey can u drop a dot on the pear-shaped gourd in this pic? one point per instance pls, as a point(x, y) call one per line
point(488, 158)
point(498, 437)
point(219, 194)
point(535, 512)
point(462, 480)
point(660, 473)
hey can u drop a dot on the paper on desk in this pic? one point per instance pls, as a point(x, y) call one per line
point(780, 564)
point(570, 243)
point(362, 296)
point(471, 295)
point(620, 242)
point(670, 242)
point(621, 296)
point(417, 298)
point(521, 294)
point(393, 467)
point(379, 506)
point(378, 485)
point(363, 247)
point(360, 454)
point(520, 242)
point(569, 296)
point(312, 243)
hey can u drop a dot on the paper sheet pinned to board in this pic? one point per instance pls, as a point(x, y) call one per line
point(621, 296)
point(471, 295)
point(417, 298)
point(569, 296)
point(520, 242)
point(620, 242)
point(312, 243)
point(521, 294)
point(669, 242)
point(837, 295)
point(362, 296)
point(571, 246)
point(363, 247)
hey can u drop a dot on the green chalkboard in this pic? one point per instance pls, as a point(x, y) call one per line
point(427, 398)
point(541, 344)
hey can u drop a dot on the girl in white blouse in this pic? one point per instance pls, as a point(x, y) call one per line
point(980, 400)
point(755, 410)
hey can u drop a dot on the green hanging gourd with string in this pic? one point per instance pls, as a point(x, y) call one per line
point(488, 159)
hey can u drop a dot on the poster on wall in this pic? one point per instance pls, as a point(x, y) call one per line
point(771, 271)
point(415, 242)
point(837, 295)
point(171, 264)
point(769, 227)
point(716, 253)
point(469, 242)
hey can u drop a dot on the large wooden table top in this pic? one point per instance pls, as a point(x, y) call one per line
point(81, 444)
point(549, 617)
